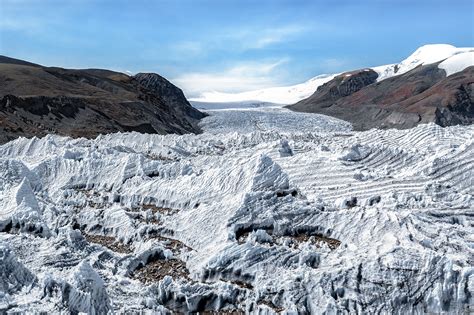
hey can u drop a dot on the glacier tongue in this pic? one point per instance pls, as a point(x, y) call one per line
point(265, 212)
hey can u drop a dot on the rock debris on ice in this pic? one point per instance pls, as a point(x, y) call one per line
point(267, 211)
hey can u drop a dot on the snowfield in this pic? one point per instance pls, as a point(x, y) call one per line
point(267, 211)
point(453, 60)
point(276, 95)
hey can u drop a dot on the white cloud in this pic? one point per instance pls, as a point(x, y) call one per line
point(259, 38)
point(267, 37)
point(243, 77)
point(237, 40)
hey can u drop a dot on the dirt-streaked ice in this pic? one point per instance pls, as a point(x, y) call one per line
point(267, 211)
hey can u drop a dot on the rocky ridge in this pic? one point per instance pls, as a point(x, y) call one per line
point(424, 94)
point(37, 100)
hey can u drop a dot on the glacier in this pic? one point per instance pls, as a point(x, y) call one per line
point(268, 211)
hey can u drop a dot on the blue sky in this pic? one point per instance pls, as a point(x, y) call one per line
point(225, 45)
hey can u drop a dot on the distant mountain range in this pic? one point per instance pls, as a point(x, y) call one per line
point(434, 84)
point(37, 100)
point(277, 95)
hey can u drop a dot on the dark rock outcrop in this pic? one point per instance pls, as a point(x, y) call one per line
point(170, 93)
point(344, 85)
point(421, 95)
point(37, 100)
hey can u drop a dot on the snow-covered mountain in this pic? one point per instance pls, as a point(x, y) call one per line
point(457, 59)
point(276, 95)
point(428, 54)
point(434, 84)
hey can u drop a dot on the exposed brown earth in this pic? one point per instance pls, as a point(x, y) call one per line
point(296, 238)
point(162, 210)
point(317, 239)
point(156, 270)
point(109, 242)
point(154, 210)
point(421, 95)
point(37, 100)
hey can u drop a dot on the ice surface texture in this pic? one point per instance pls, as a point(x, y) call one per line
point(267, 211)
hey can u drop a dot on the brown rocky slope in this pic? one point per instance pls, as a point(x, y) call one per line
point(421, 95)
point(37, 100)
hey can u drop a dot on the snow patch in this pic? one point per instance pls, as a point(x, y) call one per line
point(277, 95)
point(457, 63)
point(424, 55)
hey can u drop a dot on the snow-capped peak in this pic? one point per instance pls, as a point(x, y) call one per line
point(424, 55)
point(427, 54)
point(277, 95)
point(431, 53)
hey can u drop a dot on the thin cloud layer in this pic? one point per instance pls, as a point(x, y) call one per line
point(243, 77)
point(204, 44)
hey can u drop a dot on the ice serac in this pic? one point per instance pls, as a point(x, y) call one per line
point(19, 207)
point(14, 276)
point(85, 292)
point(241, 182)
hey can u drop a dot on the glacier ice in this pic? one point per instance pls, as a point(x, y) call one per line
point(267, 211)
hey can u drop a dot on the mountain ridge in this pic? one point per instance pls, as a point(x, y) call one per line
point(433, 84)
point(421, 95)
point(37, 100)
point(287, 95)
